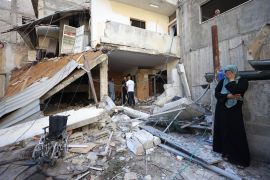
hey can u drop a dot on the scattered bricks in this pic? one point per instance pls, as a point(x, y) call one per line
point(101, 135)
point(76, 138)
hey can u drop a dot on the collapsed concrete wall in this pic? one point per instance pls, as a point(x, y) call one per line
point(257, 119)
point(236, 28)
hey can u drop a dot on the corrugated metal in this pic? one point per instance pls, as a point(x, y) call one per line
point(35, 91)
point(20, 114)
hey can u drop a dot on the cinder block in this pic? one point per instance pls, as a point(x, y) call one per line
point(135, 146)
point(145, 138)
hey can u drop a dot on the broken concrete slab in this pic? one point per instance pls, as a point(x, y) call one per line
point(120, 117)
point(135, 146)
point(156, 141)
point(145, 138)
point(107, 103)
point(170, 91)
point(133, 113)
point(141, 141)
point(191, 110)
point(77, 118)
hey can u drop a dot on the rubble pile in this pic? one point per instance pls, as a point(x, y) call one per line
point(122, 145)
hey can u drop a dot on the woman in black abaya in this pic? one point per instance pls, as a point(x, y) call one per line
point(229, 131)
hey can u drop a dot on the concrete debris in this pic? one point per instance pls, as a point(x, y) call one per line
point(83, 150)
point(76, 137)
point(141, 142)
point(135, 146)
point(145, 138)
point(132, 113)
point(120, 117)
point(148, 177)
point(107, 104)
point(131, 176)
point(77, 119)
point(170, 91)
point(156, 141)
point(179, 158)
point(92, 156)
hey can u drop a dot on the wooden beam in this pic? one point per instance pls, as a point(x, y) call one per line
point(71, 78)
point(92, 86)
point(74, 76)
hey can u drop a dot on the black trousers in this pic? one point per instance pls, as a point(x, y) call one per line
point(131, 100)
point(124, 97)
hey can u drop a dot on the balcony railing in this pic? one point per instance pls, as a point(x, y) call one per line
point(125, 35)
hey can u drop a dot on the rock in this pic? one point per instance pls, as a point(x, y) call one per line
point(149, 151)
point(130, 176)
point(157, 141)
point(135, 146)
point(128, 135)
point(180, 158)
point(122, 158)
point(92, 156)
point(120, 117)
point(148, 177)
point(107, 104)
point(145, 138)
point(77, 161)
point(121, 149)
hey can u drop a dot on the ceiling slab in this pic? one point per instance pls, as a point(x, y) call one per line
point(124, 60)
point(165, 7)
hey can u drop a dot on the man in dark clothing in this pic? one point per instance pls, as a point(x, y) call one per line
point(229, 132)
point(124, 91)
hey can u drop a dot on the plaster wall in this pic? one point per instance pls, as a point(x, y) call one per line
point(129, 36)
point(236, 28)
point(106, 10)
point(257, 119)
point(15, 52)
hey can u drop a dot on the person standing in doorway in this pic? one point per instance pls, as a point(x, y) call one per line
point(229, 131)
point(124, 90)
point(111, 90)
point(130, 89)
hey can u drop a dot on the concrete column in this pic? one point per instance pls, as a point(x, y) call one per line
point(2, 73)
point(13, 20)
point(103, 76)
point(41, 8)
point(170, 66)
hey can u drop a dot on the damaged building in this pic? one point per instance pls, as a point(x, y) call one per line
point(57, 57)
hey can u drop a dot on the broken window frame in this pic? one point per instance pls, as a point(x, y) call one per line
point(141, 21)
point(172, 23)
point(225, 12)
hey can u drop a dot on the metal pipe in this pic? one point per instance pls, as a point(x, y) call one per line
point(216, 60)
point(207, 166)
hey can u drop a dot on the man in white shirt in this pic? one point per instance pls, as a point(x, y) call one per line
point(130, 89)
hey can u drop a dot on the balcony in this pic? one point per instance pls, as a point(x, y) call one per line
point(141, 40)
